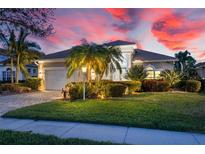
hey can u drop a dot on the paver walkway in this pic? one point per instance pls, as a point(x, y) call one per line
point(115, 134)
point(12, 102)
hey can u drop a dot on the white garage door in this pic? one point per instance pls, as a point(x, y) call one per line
point(55, 79)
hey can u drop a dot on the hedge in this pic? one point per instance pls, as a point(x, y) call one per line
point(152, 85)
point(193, 86)
point(33, 83)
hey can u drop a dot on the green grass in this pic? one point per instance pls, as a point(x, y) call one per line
point(170, 111)
point(27, 138)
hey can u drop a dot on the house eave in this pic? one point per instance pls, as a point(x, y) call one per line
point(146, 61)
point(51, 60)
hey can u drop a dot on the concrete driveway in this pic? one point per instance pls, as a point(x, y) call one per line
point(12, 102)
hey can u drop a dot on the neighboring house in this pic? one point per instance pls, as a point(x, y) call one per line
point(200, 67)
point(5, 71)
point(52, 69)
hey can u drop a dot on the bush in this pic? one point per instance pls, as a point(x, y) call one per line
point(75, 91)
point(193, 86)
point(149, 85)
point(92, 90)
point(115, 90)
point(136, 73)
point(155, 86)
point(14, 88)
point(33, 83)
point(181, 85)
point(132, 86)
point(163, 86)
point(171, 77)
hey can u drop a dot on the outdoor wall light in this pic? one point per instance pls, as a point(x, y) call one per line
point(84, 69)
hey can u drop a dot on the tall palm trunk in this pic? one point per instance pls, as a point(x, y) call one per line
point(88, 73)
point(17, 68)
point(12, 68)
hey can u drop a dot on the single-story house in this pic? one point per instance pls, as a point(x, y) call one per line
point(52, 69)
point(5, 70)
point(200, 67)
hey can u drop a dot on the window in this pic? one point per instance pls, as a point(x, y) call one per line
point(29, 70)
point(150, 72)
point(4, 75)
point(7, 75)
point(157, 74)
point(34, 71)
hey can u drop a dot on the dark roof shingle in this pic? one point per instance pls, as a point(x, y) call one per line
point(150, 56)
point(119, 42)
point(202, 64)
point(60, 54)
point(139, 54)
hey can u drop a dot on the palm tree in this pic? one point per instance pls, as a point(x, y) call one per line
point(186, 65)
point(136, 73)
point(171, 76)
point(95, 57)
point(10, 44)
point(112, 59)
point(26, 52)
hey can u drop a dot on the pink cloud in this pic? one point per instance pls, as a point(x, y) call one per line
point(176, 32)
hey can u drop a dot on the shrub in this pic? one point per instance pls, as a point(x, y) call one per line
point(136, 73)
point(155, 86)
point(149, 85)
point(33, 83)
point(133, 86)
point(75, 91)
point(92, 90)
point(163, 86)
point(181, 85)
point(171, 77)
point(14, 88)
point(193, 86)
point(115, 90)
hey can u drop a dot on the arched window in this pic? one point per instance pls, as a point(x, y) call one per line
point(7, 75)
point(150, 72)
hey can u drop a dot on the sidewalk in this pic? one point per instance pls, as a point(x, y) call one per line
point(115, 134)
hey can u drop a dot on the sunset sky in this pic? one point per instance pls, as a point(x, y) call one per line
point(165, 31)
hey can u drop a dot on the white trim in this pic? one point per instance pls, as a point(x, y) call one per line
point(51, 60)
point(146, 61)
point(54, 68)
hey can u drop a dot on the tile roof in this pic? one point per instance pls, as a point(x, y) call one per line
point(150, 56)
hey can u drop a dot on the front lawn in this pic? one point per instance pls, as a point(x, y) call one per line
point(27, 138)
point(171, 111)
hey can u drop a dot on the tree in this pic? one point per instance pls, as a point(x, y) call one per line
point(35, 20)
point(136, 73)
point(112, 59)
point(171, 76)
point(26, 52)
point(186, 65)
point(94, 57)
point(10, 44)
